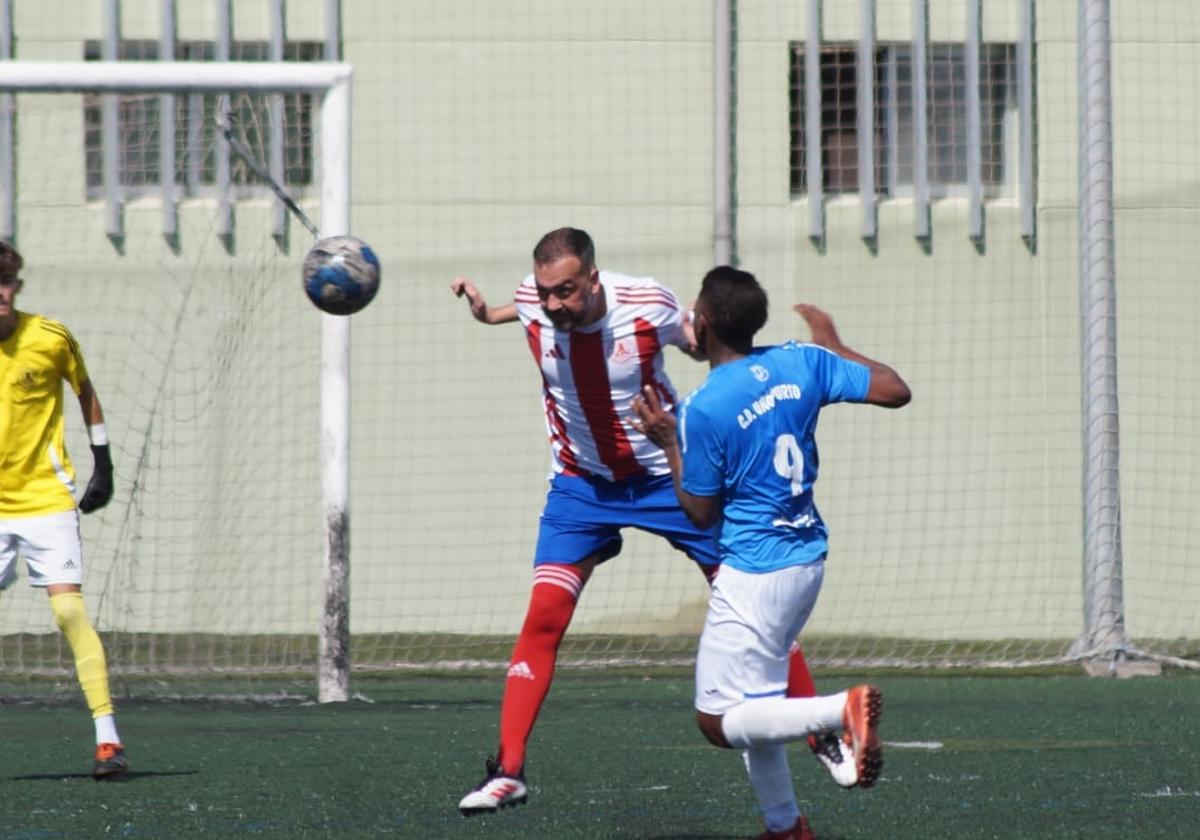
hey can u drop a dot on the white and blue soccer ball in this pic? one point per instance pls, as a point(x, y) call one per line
point(341, 275)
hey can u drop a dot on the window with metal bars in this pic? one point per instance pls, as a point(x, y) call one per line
point(196, 127)
point(894, 132)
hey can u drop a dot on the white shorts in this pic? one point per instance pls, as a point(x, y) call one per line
point(49, 544)
point(751, 624)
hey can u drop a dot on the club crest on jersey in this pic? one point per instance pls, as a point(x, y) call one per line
point(760, 373)
point(26, 381)
point(621, 351)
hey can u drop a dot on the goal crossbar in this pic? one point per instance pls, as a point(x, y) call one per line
point(173, 76)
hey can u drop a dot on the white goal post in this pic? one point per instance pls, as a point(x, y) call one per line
point(332, 82)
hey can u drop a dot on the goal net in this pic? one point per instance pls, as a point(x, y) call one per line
point(162, 251)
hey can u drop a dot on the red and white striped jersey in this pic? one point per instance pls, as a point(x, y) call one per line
point(591, 374)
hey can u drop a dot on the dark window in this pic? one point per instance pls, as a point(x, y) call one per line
point(946, 116)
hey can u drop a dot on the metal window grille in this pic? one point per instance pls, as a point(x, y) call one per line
point(196, 129)
point(895, 133)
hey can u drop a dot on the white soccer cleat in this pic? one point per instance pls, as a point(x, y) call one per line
point(497, 790)
point(833, 752)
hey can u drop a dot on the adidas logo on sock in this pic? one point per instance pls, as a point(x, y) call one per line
point(520, 669)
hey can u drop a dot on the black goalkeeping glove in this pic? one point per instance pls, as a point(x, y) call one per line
point(100, 488)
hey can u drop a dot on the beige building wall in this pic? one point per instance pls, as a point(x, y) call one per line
point(477, 127)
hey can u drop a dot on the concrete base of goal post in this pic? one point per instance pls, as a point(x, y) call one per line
point(1111, 653)
point(1124, 669)
point(1123, 666)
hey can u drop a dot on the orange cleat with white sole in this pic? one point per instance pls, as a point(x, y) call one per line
point(860, 719)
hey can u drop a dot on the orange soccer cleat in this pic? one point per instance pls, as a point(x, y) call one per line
point(110, 763)
point(861, 720)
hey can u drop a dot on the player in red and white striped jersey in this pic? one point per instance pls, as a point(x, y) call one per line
point(591, 373)
point(597, 338)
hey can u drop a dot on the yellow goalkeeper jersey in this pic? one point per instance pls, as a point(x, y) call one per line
point(36, 476)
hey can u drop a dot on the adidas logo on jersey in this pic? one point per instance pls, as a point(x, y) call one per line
point(555, 352)
point(69, 564)
point(520, 669)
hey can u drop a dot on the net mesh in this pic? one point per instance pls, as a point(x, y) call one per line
point(955, 523)
point(205, 355)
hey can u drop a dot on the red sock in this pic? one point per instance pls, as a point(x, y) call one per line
point(800, 681)
point(551, 605)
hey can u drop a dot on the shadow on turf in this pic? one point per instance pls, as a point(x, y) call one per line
point(824, 836)
point(57, 777)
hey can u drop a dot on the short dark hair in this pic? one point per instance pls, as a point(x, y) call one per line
point(565, 242)
point(11, 261)
point(735, 305)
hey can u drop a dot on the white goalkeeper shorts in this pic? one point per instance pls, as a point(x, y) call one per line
point(49, 544)
point(751, 624)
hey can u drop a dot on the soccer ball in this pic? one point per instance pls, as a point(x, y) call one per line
point(341, 275)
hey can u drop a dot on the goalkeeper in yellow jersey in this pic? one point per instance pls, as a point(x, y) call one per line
point(39, 517)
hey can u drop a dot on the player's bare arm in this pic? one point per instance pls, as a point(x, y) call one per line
point(658, 424)
point(100, 488)
point(887, 389)
point(463, 287)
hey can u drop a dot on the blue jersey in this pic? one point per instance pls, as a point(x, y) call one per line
point(747, 435)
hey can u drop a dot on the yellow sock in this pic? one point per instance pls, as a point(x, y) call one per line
point(90, 664)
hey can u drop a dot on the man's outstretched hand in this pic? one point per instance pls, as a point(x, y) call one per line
point(463, 287)
point(820, 324)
